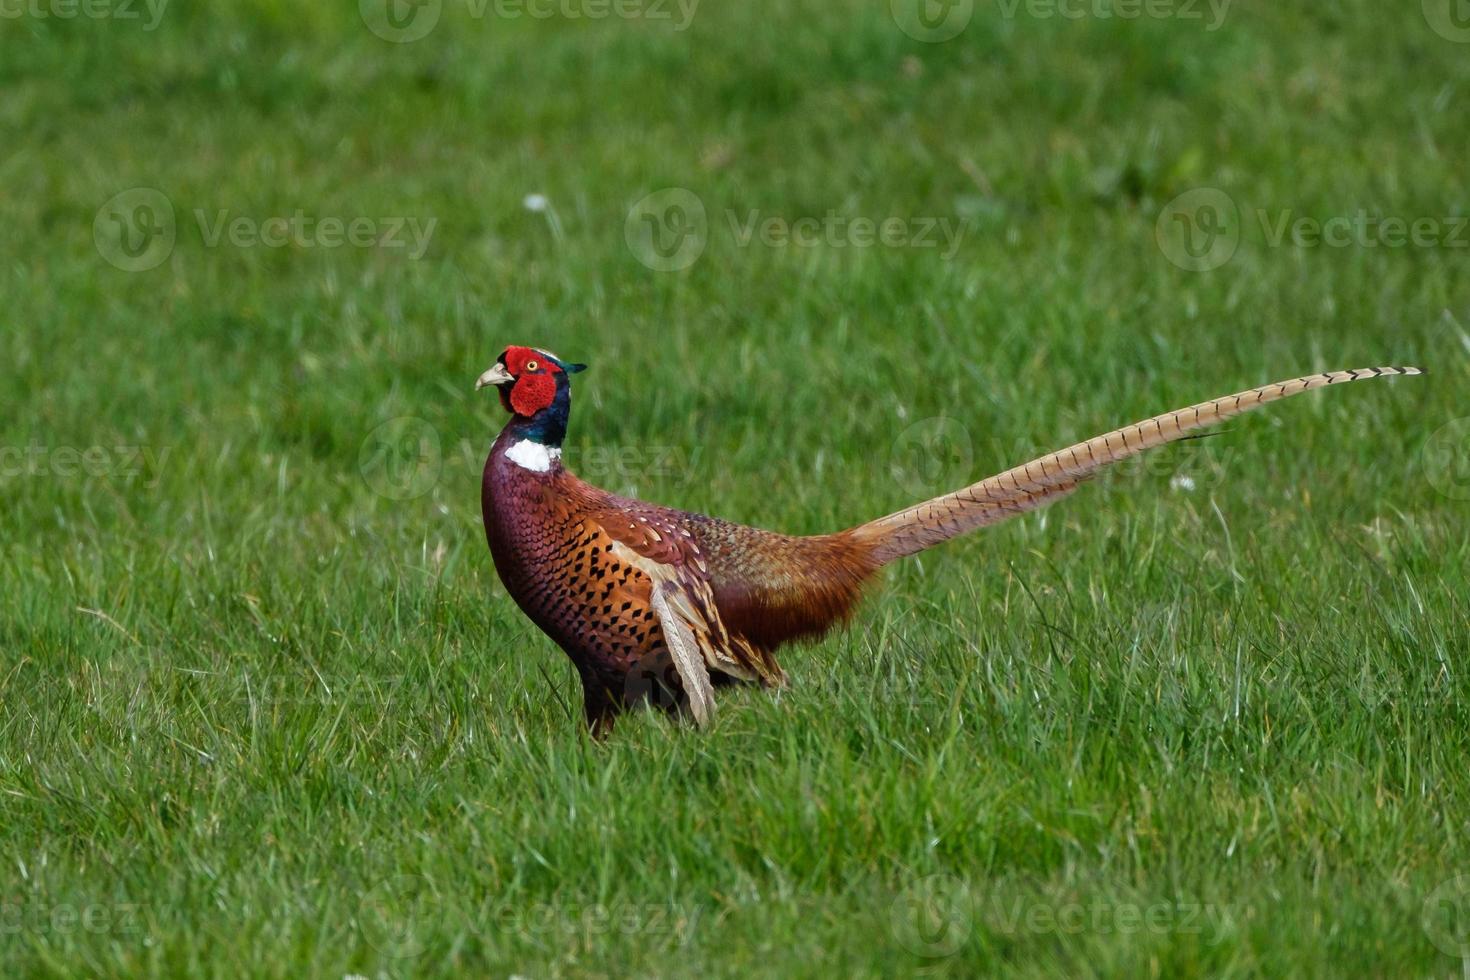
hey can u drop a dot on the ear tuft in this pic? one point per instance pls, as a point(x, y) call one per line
point(574, 368)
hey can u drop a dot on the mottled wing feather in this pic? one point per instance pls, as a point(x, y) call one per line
point(687, 653)
point(679, 597)
point(688, 596)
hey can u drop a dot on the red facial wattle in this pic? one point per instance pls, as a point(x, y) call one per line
point(531, 393)
point(535, 385)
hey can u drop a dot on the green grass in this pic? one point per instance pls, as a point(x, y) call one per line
point(259, 718)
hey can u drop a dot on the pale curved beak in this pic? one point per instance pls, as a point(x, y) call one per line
point(497, 375)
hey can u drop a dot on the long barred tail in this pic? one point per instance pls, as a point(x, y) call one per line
point(1052, 477)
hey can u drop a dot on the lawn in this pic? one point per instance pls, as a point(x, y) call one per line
point(266, 710)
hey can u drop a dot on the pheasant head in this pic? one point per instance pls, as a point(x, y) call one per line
point(535, 388)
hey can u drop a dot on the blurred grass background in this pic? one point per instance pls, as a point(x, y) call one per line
point(265, 709)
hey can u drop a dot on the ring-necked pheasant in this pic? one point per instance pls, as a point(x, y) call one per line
point(659, 605)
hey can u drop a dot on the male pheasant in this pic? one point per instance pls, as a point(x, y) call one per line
point(658, 605)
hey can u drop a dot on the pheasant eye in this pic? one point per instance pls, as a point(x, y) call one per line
point(531, 365)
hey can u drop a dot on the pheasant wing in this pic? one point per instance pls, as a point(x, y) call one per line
point(680, 595)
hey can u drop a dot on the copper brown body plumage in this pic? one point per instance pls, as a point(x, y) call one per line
point(656, 605)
